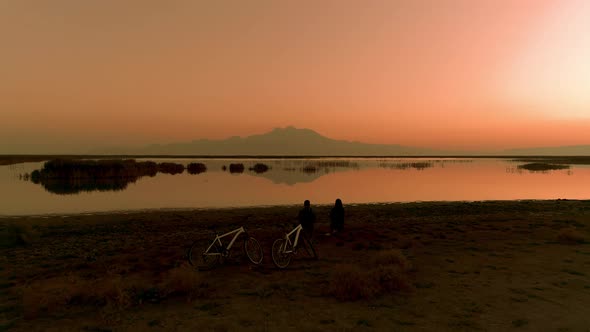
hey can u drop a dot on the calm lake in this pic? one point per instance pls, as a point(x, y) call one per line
point(290, 181)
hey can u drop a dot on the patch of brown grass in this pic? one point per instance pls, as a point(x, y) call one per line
point(351, 284)
point(570, 236)
point(14, 235)
point(392, 257)
point(113, 291)
point(49, 295)
point(392, 279)
point(43, 296)
point(387, 274)
point(184, 280)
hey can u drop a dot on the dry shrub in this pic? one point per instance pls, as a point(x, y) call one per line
point(391, 279)
point(14, 235)
point(46, 295)
point(53, 294)
point(570, 236)
point(184, 280)
point(111, 291)
point(351, 284)
point(387, 274)
point(392, 257)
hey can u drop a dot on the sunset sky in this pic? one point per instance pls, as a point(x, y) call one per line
point(452, 74)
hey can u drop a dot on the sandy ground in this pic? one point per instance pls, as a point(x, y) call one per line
point(477, 266)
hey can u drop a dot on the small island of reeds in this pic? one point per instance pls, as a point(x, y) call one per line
point(71, 176)
point(542, 167)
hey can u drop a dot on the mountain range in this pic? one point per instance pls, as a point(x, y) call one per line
point(291, 141)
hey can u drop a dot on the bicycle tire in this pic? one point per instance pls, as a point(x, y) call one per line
point(309, 248)
point(253, 250)
point(279, 258)
point(198, 259)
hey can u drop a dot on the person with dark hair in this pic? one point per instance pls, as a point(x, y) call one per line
point(337, 217)
point(306, 218)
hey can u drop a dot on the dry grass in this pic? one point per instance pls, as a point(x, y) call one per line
point(387, 274)
point(14, 235)
point(570, 236)
point(113, 291)
point(50, 295)
point(184, 281)
point(46, 295)
point(392, 257)
point(391, 279)
point(352, 284)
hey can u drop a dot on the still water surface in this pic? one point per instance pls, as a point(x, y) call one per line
point(290, 181)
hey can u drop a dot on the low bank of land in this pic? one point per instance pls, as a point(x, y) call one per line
point(455, 266)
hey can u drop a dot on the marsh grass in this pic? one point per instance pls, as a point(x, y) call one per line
point(170, 168)
point(259, 168)
point(71, 176)
point(402, 166)
point(572, 160)
point(196, 168)
point(540, 167)
point(309, 169)
point(236, 168)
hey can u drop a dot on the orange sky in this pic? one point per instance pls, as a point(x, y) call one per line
point(454, 74)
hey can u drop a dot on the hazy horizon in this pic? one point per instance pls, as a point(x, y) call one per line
point(452, 75)
point(292, 141)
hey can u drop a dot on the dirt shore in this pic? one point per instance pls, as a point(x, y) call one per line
point(448, 266)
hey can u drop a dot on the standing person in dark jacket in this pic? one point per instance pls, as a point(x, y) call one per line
point(337, 217)
point(306, 218)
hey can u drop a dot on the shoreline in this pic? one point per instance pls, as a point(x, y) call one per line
point(278, 206)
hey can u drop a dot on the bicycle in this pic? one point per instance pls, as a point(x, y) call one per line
point(217, 251)
point(283, 249)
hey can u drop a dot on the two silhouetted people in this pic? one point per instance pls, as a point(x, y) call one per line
point(306, 218)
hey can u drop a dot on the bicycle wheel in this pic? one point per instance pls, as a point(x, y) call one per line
point(253, 250)
point(279, 257)
point(196, 256)
point(309, 248)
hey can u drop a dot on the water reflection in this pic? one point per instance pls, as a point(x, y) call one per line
point(281, 181)
point(416, 165)
point(74, 176)
point(70, 186)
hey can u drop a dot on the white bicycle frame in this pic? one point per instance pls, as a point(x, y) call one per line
point(296, 230)
point(218, 238)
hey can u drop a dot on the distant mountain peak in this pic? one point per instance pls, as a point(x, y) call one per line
point(282, 141)
point(293, 131)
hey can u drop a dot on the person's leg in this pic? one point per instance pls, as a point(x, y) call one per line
point(308, 234)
